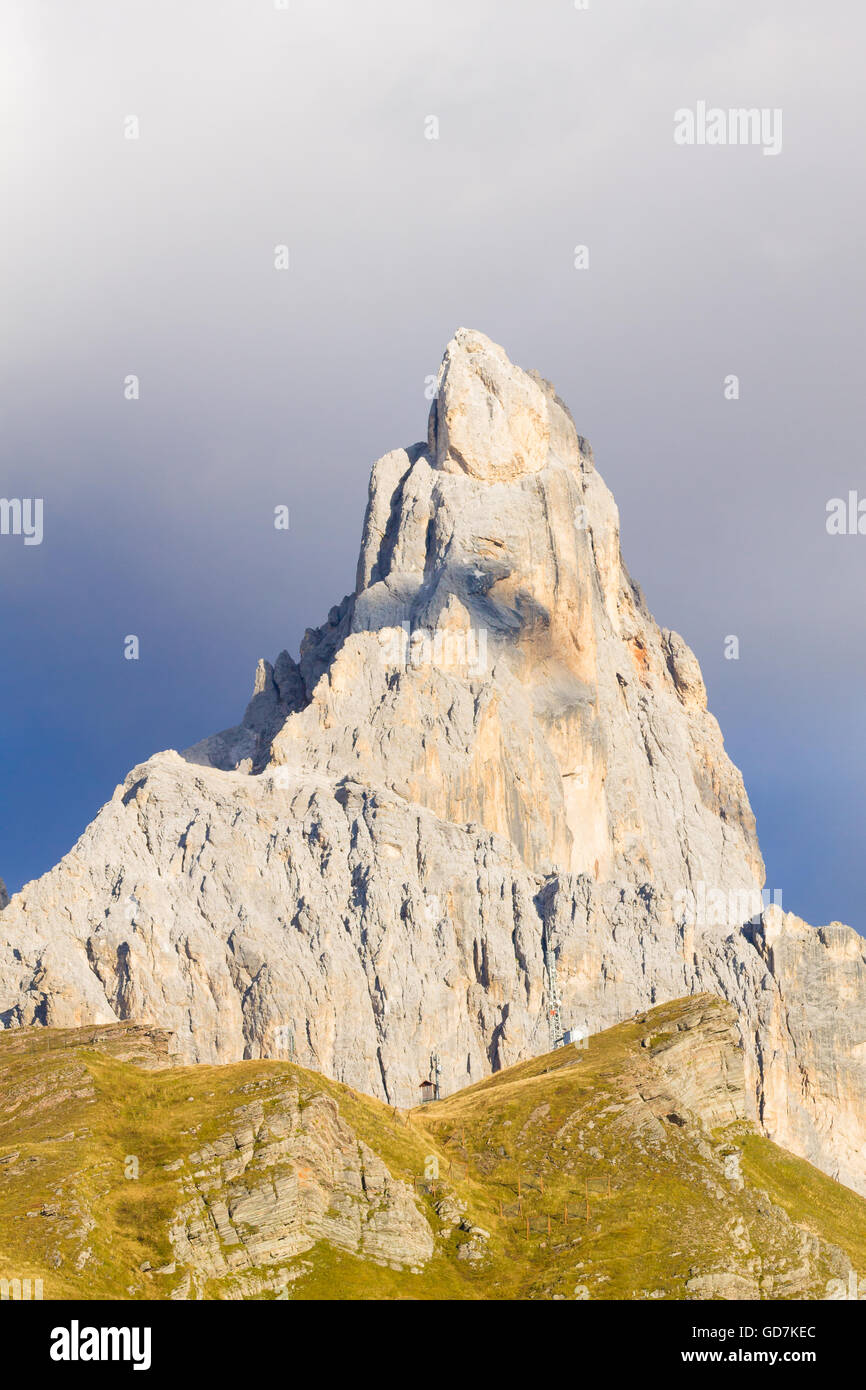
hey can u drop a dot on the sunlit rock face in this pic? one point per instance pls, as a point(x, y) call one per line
point(534, 694)
point(488, 745)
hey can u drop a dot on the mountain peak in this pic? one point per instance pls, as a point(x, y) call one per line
point(490, 419)
point(488, 756)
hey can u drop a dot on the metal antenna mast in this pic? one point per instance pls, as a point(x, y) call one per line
point(435, 1073)
point(554, 1003)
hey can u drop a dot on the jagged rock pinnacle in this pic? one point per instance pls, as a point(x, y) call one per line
point(489, 745)
point(489, 419)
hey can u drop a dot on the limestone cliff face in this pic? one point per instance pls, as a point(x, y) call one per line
point(489, 744)
point(497, 665)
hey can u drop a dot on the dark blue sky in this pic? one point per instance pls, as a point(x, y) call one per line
point(258, 387)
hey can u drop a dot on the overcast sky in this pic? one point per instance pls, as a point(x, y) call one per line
point(306, 126)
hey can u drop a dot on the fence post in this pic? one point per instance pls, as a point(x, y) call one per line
point(566, 1214)
point(527, 1228)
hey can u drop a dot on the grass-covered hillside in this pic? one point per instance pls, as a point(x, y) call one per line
point(626, 1169)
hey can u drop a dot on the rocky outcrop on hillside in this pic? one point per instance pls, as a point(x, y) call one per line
point(622, 1169)
point(489, 746)
point(698, 1058)
point(136, 1043)
point(290, 1172)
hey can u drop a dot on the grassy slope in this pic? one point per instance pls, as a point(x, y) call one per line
point(550, 1124)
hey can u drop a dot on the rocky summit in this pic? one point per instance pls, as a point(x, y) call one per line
point(486, 799)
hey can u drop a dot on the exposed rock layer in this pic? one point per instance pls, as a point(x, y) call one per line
point(290, 1172)
point(260, 1179)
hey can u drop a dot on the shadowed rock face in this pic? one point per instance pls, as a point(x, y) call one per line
point(489, 743)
